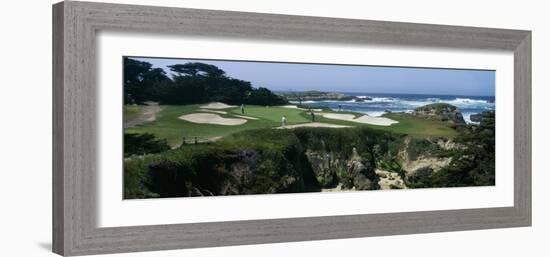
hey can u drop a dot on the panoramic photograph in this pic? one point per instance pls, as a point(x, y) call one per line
point(197, 127)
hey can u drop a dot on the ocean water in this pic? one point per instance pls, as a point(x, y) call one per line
point(381, 103)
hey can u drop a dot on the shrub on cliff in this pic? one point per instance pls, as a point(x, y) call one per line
point(370, 143)
point(139, 144)
point(263, 161)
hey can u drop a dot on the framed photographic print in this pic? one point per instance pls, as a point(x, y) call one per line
point(182, 128)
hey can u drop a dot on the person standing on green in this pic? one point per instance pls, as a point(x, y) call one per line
point(283, 121)
point(242, 108)
point(312, 115)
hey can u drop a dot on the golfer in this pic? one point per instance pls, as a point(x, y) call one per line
point(242, 108)
point(283, 121)
point(312, 115)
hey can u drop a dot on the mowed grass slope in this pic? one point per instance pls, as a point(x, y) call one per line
point(418, 127)
point(169, 126)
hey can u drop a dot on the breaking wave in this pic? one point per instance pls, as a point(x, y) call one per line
point(379, 104)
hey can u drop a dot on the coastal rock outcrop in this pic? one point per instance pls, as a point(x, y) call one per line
point(484, 119)
point(440, 111)
point(475, 117)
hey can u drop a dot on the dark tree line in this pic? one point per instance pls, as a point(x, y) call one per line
point(192, 83)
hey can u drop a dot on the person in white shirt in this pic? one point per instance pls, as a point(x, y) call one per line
point(283, 121)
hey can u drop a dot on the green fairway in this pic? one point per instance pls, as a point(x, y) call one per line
point(274, 114)
point(419, 127)
point(167, 124)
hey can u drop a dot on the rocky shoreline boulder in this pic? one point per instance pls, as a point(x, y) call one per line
point(322, 96)
point(485, 119)
point(475, 117)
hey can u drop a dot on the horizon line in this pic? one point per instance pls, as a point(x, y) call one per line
point(350, 92)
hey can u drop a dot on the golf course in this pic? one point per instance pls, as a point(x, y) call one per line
point(191, 129)
point(170, 125)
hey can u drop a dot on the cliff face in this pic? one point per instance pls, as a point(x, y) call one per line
point(333, 170)
point(414, 160)
point(311, 160)
point(261, 172)
point(314, 163)
point(392, 164)
point(423, 163)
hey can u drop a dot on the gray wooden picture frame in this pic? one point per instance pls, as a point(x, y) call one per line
point(75, 25)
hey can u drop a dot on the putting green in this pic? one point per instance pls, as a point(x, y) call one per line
point(274, 114)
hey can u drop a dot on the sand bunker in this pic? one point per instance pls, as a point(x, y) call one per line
point(219, 112)
point(338, 116)
point(314, 125)
point(217, 106)
point(210, 118)
point(380, 121)
point(296, 107)
point(245, 117)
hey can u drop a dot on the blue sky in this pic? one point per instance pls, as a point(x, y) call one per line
point(346, 78)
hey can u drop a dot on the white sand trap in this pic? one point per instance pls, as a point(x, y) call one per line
point(296, 107)
point(210, 118)
point(219, 112)
point(314, 125)
point(245, 117)
point(338, 116)
point(217, 106)
point(380, 121)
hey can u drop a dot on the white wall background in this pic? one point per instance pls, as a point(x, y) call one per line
point(25, 127)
